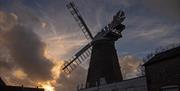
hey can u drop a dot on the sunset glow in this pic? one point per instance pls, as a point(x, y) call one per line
point(56, 71)
point(47, 86)
point(19, 74)
point(38, 37)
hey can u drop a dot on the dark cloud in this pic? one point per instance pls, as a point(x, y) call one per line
point(22, 48)
point(27, 51)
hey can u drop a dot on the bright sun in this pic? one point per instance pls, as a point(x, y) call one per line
point(47, 86)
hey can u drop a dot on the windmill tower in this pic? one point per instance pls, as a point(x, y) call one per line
point(104, 66)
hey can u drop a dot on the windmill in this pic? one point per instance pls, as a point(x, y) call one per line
point(104, 66)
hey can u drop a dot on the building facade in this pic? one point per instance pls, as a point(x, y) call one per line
point(163, 71)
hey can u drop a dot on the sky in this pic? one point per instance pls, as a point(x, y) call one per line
point(36, 36)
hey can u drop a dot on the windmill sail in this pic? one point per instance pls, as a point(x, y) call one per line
point(77, 59)
point(85, 52)
point(74, 11)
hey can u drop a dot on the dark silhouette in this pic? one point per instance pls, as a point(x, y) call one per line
point(163, 71)
point(4, 87)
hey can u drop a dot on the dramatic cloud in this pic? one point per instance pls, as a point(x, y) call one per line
point(27, 51)
point(23, 58)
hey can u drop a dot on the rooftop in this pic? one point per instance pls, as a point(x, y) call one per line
point(174, 52)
